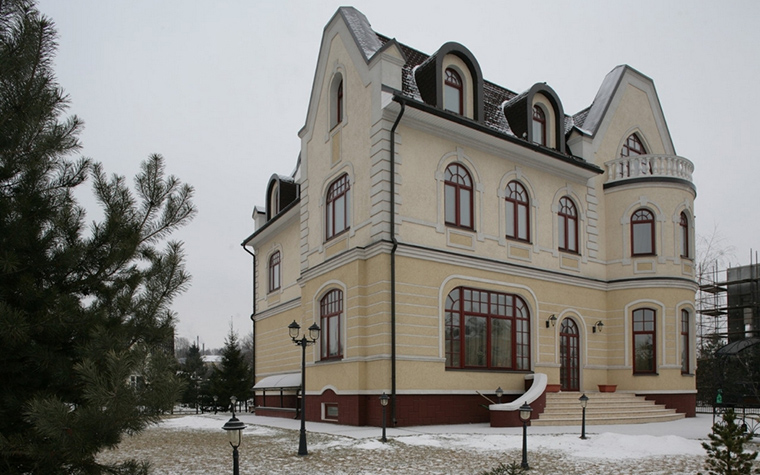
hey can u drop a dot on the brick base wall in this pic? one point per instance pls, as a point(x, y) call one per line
point(683, 403)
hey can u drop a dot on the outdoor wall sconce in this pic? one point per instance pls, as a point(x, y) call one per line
point(551, 321)
point(597, 327)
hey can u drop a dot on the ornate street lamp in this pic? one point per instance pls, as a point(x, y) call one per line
point(584, 401)
point(234, 428)
point(294, 329)
point(499, 393)
point(384, 402)
point(525, 411)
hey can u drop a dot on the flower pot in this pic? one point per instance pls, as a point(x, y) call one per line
point(607, 388)
point(553, 388)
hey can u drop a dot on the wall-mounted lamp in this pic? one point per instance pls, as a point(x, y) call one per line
point(551, 321)
point(597, 327)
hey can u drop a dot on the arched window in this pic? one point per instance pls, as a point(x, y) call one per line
point(642, 233)
point(274, 271)
point(644, 341)
point(274, 204)
point(487, 330)
point(458, 196)
point(337, 217)
point(684, 231)
point(685, 337)
point(539, 125)
point(632, 146)
point(518, 217)
point(330, 313)
point(336, 101)
point(453, 99)
point(567, 225)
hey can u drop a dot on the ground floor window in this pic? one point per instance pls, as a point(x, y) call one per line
point(644, 338)
point(486, 329)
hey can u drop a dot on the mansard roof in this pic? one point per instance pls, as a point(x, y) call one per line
point(490, 106)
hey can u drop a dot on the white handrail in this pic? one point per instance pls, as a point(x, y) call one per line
point(536, 390)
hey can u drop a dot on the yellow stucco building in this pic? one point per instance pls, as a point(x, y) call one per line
point(451, 237)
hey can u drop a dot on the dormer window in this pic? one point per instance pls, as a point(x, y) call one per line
point(632, 146)
point(453, 92)
point(274, 205)
point(539, 125)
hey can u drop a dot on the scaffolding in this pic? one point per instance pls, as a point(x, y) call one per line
point(728, 305)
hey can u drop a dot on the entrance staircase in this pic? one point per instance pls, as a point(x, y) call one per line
point(564, 409)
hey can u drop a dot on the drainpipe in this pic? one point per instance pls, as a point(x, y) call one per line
point(253, 322)
point(393, 258)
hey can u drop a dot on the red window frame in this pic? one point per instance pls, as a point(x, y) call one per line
point(330, 316)
point(492, 309)
point(454, 81)
point(632, 146)
point(642, 217)
point(685, 336)
point(684, 227)
point(539, 117)
point(516, 200)
point(339, 104)
point(567, 214)
point(645, 327)
point(275, 271)
point(457, 180)
point(337, 201)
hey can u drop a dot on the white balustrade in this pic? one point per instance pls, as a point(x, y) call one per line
point(638, 166)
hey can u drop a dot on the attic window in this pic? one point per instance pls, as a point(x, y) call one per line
point(632, 146)
point(453, 92)
point(539, 125)
point(337, 102)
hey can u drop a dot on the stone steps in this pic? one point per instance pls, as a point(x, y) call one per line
point(564, 408)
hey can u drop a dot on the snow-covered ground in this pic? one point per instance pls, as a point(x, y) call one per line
point(196, 444)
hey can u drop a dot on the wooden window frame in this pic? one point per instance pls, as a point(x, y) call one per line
point(517, 198)
point(275, 271)
point(638, 218)
point(454, 80)
point(339, 104)
point(684, 229)
point(568, 212)
point(513, 308)
point(331, 305)
point(340, 188)
point(539, 116)
point(685, 337)
point(460, 181)
point(633, 146)
point(642, 313)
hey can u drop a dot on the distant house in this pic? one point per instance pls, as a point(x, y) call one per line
point(451, 236)
point(212, 360)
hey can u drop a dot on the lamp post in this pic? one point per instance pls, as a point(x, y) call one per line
point(294, 330)
point(384, 402)
point(525, 411)
point(584, 401)
point(215, 399)
point(234, 430)
point(499, 394)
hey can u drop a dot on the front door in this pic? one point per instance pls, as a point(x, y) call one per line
point(569, 353)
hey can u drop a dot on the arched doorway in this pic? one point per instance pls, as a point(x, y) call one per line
point(569, 354)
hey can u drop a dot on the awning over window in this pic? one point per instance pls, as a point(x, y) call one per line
point(279, 381)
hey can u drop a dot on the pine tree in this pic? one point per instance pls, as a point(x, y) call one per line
point(84, 310)
point(233, 376)
point(725, 452)
point(194, 372)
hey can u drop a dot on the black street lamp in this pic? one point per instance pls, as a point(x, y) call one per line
point(525, 411)
point(584, 401)
point(294, 330)
point(215, 399)
point(234, 428)
point(499, 394)
point(384, 402)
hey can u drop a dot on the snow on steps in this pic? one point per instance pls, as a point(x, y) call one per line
point(564, 409)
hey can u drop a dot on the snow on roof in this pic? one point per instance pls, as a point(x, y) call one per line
point(291, 380)
point(602, 100)
point(362, 31)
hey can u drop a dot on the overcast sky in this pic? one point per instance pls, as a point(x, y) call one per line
point(221, 88)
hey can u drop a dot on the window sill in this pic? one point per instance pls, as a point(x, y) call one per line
point(634, 256)
point(489, 370)
point(337, 235)
point(332, 359)
point(568, 251)
point(646, 374)
point(460, 228)
point(514, 239)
